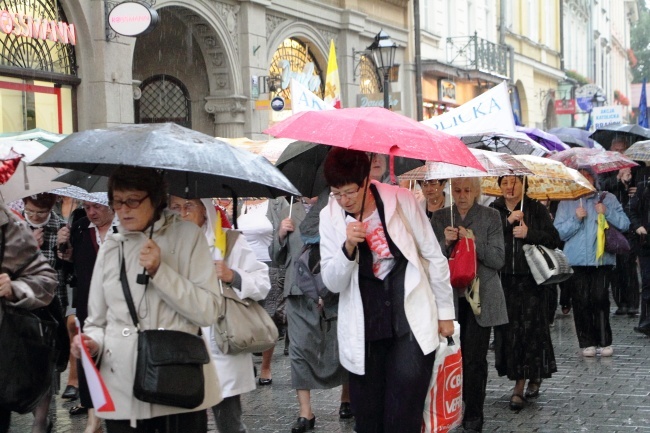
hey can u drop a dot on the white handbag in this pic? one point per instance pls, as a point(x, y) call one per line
point(548, 266)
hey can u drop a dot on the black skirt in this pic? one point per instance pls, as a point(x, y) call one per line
point(523, 347)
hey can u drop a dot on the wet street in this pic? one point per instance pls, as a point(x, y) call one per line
point(585, 395)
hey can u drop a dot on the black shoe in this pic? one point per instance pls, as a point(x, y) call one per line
point(517, 402)
point(643, 330)
point(264, 382)
point(71, 393)
point(345, 412)
point(621, 311)
point(533, 389)
point(78, 410)
point(303, 424)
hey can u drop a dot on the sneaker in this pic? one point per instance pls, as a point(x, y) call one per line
point(606, 351)
point(589, 352)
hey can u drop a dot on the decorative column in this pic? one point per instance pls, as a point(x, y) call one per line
point(229, 115)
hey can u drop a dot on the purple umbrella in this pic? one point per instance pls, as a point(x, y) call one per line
point(575, 132)
point(549, 141)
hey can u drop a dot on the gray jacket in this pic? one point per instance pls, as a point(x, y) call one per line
point(284, 253)
point(486, 225)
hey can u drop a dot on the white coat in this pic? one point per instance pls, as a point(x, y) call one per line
point(236, 371)
point(426, 301)
point(183, 295)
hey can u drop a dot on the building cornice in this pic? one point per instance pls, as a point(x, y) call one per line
point(540, 67)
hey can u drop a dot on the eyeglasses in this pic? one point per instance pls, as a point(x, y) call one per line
point(131, 203)
point(33, 213)
point(186, 207)
point(350, 194)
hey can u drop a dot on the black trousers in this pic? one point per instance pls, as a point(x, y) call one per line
point(389, 398)
point(625, 282)
point(5, 420)
point(191, 422)
point(590, 293)
point(644, 316)
point(474, 341)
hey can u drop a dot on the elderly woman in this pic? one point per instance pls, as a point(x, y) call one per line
point(181, 295)
point(577, 223)
point(36, 284)
point(485, 223)
point(250, 279)
point(392, 310)
point(524, 349)
point(435, 198)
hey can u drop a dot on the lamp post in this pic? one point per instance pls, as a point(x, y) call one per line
point(383, 52)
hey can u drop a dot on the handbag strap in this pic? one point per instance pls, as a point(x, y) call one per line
point(127, 293)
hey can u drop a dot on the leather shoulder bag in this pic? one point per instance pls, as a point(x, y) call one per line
point(242, 326)
point(169, 367)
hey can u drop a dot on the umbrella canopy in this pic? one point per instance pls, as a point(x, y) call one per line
point(302, 163)
point(639, 151)
point(600, 161)
point(571, 141)
point(88, 182)
point(46, 138)
point(495, 164)
point(513, 143)
point(551, 180)
point(269, 149)
point(377, 130)
point(8, 165)
point(82, 194)
point(549, 141)
point(578, 133)
point(194, 164)
point(630, 133)
point(27, 180)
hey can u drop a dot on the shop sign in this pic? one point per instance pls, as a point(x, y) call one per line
point(132, 19)
point(19, 24)
point(610, 115)
point(585, 95)
point(277, 103)
point(377, 100)
point(447, 91)
point(565, 106)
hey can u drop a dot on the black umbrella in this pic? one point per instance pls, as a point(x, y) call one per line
point(89, 182)
point(570, 140)
point(302, 163)
point(194, 164)
point(630, 133)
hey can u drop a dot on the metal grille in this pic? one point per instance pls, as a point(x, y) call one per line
point(297, 54)
point(368, 76)
point(29, 53)
point(164, 99)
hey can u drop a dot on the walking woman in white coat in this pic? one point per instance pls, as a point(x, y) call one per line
point(374, 241)
point(250, 279)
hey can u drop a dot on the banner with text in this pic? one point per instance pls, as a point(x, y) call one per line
point(486, 112)
point(303, 99)
point(610, 115)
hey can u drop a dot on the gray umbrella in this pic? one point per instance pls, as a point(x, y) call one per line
point(195, 165)
point(89, 182)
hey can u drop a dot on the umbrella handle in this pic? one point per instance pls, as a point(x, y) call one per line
point(143, 278)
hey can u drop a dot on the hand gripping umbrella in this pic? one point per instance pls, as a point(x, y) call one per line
point(194, 164)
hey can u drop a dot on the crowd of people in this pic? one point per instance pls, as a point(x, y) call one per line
point(382, 254)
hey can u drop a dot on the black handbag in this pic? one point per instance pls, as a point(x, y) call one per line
point(169, 366)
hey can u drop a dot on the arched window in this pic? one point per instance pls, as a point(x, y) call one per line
point(163, 99)
point(291, 57)
point(36, 54)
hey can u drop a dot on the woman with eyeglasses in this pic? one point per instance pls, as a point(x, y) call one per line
point(392, 310)
point(434, 195)
point(250, 279)
point(181, 293)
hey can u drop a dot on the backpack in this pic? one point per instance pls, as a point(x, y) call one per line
point(308, 278)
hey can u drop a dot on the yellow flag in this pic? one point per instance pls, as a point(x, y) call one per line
point(600, 236)
point(332, 81)
point(219, 236)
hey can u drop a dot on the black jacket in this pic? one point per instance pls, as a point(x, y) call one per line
point(540, 232)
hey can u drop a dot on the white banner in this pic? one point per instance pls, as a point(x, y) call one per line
point(303, 99)
point(487, 112)
point(610, 115)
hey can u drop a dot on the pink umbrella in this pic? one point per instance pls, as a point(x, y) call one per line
point(373, 129)
point(600, 161)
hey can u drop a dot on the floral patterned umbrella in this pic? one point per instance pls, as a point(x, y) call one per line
point(551, 180)
point(600, 161)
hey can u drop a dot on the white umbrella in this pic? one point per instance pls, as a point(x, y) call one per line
point(27, 180)
point(83, 195)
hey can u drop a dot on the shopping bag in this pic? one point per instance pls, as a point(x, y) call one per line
point(462, 262)
point(443, 407)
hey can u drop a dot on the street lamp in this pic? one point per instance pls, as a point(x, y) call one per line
point(383, 52)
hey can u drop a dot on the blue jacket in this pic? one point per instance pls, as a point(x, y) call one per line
point(580, 236)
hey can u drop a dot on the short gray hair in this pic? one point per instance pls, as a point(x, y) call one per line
point(475, 184)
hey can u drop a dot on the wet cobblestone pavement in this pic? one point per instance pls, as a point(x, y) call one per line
point(585, 395)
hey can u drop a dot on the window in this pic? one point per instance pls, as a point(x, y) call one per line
point(164, 99)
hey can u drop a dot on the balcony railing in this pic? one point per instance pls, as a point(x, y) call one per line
point(474, 53)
